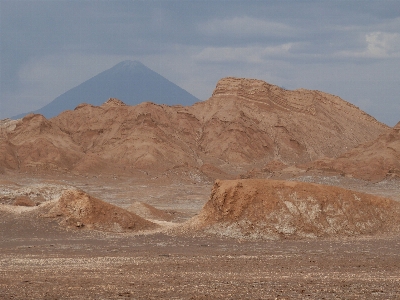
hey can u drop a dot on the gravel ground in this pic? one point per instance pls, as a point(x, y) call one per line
point(167, 267)
point(40, 260)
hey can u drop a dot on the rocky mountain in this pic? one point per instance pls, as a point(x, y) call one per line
point(130, 81)
point(253, 120)
point(246, 124)
point(373, 160)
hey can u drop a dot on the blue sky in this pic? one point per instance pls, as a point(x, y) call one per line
point(347, 48)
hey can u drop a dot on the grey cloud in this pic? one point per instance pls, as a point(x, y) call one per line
point(194, 43)
point(246, 27)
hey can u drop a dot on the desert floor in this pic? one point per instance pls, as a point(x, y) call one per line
point(41, 260)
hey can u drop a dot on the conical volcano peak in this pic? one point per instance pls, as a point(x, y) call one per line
point(129, 64)
point(130, 81)
point(129, 68)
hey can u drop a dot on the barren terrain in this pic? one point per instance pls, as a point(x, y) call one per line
point(256, 193)
point(374, 160)
point(41, 259)
point(246, 124)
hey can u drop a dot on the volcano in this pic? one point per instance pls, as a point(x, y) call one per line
point(130, 81)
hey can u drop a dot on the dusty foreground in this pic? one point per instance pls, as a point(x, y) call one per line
point(41, 260)
point(154, 267)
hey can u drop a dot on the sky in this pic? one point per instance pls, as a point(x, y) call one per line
point(347, 48)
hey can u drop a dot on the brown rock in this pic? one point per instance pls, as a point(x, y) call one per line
point(373, 161)
point(284, 209)
point(113, 102)
point(244, 125)
point(78, 209)
point(23, 201)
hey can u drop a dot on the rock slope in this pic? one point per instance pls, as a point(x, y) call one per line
point(271, 209)
point(373, 161)
point(247, 123)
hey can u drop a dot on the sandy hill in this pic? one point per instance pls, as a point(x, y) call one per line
point(272, 209)
point(74, 208)
point(246, 123)
point(69, 207)
point(77, 209)
point(374, 160)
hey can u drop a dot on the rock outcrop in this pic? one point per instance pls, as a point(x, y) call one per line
point(270, 209)
point(77, 209)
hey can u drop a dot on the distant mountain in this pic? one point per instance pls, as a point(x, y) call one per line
point(130, 81)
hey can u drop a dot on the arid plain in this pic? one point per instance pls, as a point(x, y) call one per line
point(256, 193)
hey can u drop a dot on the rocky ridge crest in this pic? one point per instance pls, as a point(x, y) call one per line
point(247, 123)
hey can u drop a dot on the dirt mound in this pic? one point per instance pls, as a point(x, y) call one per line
point(77, 209)
point(244, 125)
point(283, 209)
point(147, 211)
point(373, 161)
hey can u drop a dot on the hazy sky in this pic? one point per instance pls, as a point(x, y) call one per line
point(347, 48)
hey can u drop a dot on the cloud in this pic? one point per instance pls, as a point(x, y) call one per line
point(382, 44)
point(251, 54)
point(245, 27)
point(378, 45)
point(353, 51)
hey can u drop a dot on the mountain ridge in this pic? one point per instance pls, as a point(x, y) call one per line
point(245, 124)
